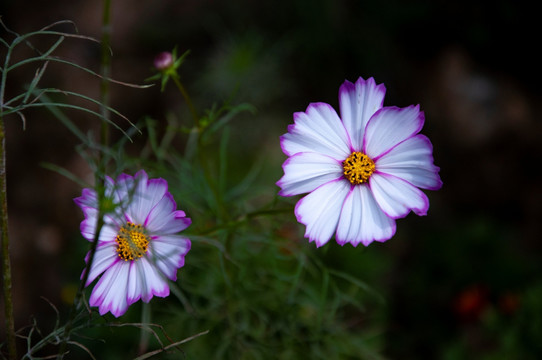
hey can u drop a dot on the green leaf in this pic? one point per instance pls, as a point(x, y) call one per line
point(66, 173)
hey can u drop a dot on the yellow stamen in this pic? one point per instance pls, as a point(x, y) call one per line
point(358, 168)
point(132, 241)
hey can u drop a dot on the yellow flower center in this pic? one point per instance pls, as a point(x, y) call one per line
point(132, 241)
point(358, 168)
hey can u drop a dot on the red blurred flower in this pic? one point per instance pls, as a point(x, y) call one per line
point(469, 304)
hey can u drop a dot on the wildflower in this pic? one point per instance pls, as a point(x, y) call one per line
point(361, 171)
point(138, 247)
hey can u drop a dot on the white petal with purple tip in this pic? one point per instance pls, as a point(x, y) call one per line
point(167, 223)
point(416, 151)
point(104, 257)
point(320, 210)
point(134, 289)
point(362, 220)
point(109, 294)
point(151, 281)
point(390, 126)
point(396, 197)
point(147, 199)
point(412, 160)
point(319, 130)
point(422, 178)
point(358, 102)
point(168, 253)
point(160, 214)
point(304, 172)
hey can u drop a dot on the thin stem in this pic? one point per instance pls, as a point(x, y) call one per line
point(144, 335)
point(6, 264)
point(186, 98)
point(105, 69)
point(79, 295)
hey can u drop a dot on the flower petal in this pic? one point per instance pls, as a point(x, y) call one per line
point(88, 227)
point(362, 220)
point(388, 127)
point(358, 102)
point(168, 252)
point(412, 160)
point(133, 290)
point(396, 197)
point(104, 257)
point(422, 178)
point(304, 172)
point(319, 130)
point(147, 196)
point(151, 281)
point(320, 210)
point(122, 190)
point(109, 294)
point(87, 199)
point(164, 219)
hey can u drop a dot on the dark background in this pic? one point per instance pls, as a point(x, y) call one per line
point(463, 280)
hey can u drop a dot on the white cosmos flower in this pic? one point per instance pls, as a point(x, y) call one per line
point(362, 170)
point(138, 248)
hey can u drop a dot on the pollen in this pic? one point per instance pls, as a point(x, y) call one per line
point(358, 168)
point(132, 241)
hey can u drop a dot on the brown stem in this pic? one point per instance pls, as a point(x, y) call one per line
point(6, 263)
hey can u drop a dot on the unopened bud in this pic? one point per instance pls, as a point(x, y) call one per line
point(163, 60)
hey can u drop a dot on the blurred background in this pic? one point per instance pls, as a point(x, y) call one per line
point(463, 282)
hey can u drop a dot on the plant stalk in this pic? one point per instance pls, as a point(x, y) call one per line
point(78, 296)
point(6, 262)
point(105, 71)
point(187, 99)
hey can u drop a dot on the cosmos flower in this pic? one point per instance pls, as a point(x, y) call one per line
point(138, 247)
point(362, 170)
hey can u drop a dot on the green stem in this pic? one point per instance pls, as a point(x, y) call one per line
point(144, 334)
point(105, 70)
point(6, 264)
point(79, 295)
point(187, 99)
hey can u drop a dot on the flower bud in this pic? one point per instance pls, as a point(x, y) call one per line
point(163, 60)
